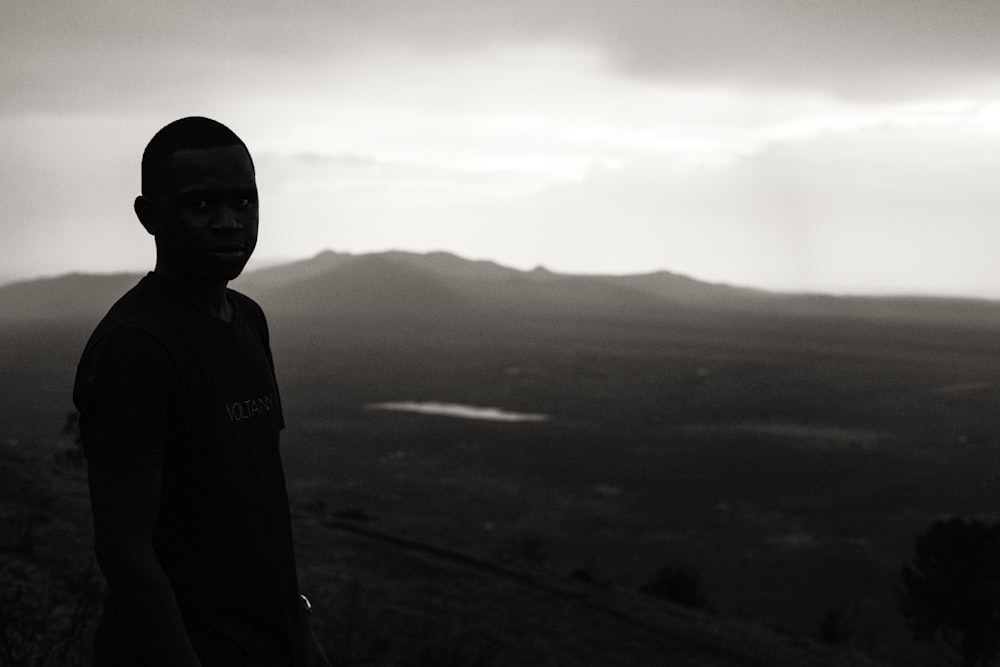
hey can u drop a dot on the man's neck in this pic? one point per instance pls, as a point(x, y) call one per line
point(207, 295)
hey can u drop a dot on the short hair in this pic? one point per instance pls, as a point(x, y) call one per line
point(190, 133)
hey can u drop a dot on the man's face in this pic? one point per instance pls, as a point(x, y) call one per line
point(206, 213)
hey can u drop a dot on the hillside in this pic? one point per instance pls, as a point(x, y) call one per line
point(380, 598)
point(786, 449)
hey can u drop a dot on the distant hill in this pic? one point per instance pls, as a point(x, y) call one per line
point(367, 284)
point(70, 297)
point(441, 285)
point(291, 272)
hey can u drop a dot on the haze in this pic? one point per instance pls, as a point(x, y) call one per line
point(847, 147)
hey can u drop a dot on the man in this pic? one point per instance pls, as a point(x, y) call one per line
point(180, 417)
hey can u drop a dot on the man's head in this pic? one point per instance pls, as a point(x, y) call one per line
point(199, 199)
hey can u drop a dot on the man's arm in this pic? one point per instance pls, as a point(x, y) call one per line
point(126, 503)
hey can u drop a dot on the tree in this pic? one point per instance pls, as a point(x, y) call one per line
point(952, 588)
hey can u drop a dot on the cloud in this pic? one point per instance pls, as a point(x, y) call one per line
point(93, 56)
point(849, 48)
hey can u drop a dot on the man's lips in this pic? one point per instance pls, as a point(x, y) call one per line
point(234, 250)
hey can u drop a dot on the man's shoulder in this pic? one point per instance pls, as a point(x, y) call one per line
point(243, 299)
point(144, 309)
point(141, 306)
point(133, 334)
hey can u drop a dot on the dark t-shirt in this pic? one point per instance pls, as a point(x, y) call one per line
point(162, 383)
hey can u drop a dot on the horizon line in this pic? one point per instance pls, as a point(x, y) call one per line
point(263, 264)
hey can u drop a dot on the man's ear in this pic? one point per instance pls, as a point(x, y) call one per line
point(144, 211)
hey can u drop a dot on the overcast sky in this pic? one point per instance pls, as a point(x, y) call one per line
point(833, 146)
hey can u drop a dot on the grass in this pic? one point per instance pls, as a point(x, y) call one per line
point(50, 589)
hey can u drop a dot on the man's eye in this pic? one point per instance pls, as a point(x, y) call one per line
point(243, 203)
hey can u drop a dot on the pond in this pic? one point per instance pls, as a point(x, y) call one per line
point(458, 410)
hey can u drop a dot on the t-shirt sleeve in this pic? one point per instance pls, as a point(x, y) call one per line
point(127, 394)
point(260, 323)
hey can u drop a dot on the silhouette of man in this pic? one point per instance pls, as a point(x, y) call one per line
point(180, 418)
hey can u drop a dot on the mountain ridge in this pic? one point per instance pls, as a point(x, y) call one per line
point(441, 284)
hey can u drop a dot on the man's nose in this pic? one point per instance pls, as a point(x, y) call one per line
point(228, 219)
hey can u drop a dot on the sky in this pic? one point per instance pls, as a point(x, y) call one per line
point(833, 146)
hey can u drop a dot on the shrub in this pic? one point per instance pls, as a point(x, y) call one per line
point(47, 624)
point(678, 585)
point(952, 588)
